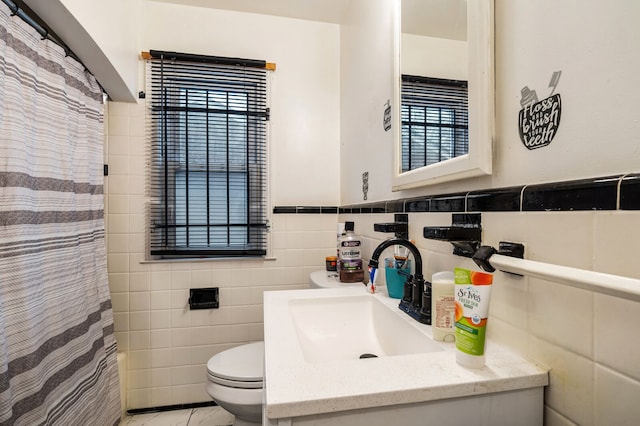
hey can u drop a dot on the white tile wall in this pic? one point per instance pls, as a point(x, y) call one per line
point(616, 234)
point(552, 417)
point(586, 340)
point(615, 330)
point(561, 315)
point(169, 345)
point(616, 398)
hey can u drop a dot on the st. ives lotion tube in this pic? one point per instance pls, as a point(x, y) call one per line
point(472, 295)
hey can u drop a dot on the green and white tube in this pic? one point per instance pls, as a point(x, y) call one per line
point(472, 296)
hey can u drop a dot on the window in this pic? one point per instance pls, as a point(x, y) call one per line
point(434, 121)
point(208, 157)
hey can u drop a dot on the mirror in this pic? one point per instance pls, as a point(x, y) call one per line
point(450, 40)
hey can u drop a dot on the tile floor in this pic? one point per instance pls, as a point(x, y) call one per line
point(205, 416)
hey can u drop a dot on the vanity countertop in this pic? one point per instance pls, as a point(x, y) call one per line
point(294, 387)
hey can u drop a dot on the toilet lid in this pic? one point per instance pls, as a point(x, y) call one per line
point(240, 364)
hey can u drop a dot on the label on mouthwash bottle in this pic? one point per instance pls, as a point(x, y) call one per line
point(350, 249)
point(472, 293)
point(351, 265)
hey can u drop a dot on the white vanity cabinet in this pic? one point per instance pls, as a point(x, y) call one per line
point(523, 408)
point(413, 388)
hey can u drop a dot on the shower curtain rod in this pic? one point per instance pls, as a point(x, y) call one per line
point(44, 32)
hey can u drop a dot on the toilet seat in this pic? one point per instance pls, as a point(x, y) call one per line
point(240, 367)
point(235, 384)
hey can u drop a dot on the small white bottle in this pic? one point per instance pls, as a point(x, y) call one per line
point(443, 321)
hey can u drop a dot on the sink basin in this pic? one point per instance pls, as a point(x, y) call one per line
point(314, 339)
point(353, 327)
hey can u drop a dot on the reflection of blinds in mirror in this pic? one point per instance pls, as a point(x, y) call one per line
point(434, 117)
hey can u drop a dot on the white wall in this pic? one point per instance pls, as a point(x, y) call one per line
point(595, 45)
point(582, 337)
point(305, 110)
point(103, 35)
point(585, 339)
point(367, 84)
point(167, 344)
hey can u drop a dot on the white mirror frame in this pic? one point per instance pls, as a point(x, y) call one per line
point(477, 162)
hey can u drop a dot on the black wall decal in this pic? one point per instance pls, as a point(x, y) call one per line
point(365, 185)
point(538, 121)
point(386, 120)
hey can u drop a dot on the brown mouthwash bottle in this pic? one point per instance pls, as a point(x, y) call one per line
point(350, 249)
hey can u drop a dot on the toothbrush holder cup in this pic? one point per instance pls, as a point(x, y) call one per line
point(396, 273)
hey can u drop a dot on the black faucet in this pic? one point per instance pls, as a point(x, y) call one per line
point(416, 299)
point(374, 262)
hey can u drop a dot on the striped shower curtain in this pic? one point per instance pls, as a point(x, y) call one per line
point(57, 346)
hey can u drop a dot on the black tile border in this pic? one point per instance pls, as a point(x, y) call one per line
point(329, 210)
point(619, 192)
point(447, 203)
point(308, 209)
point(284, 210)
point(495, 200)
point(305, 210)
point(395, 206)
point(630, 192)
point(417, 205)
point(587, 194)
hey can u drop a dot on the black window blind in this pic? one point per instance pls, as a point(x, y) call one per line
point(434, 115)
point(208, 158)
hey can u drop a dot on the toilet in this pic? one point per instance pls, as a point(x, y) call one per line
point(235, 379)
point(235, 376)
